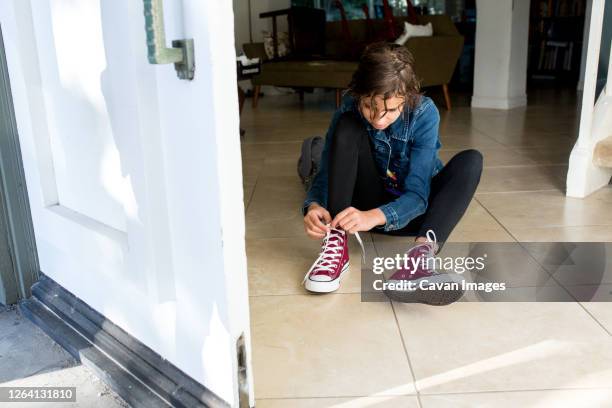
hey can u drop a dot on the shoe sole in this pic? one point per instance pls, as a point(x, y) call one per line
point(326, 287)
point(428, 297)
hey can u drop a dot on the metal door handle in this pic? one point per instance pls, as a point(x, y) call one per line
point(181, 53)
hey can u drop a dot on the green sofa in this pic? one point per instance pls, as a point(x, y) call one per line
point(435, 58)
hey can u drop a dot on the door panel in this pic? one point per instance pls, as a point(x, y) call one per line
point(133, 175)
point(70, 37)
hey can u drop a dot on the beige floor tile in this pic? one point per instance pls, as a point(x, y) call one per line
point(492, 235)
point(502, 156)
point(326, 346)
point(591, 293)
point(274, 210)
point(477, 225)
point(476, 217)
point(386, 244)
point(588, 233)
point(574, 263)
point(513, 122)
point(271, 150)
point(602, 311)
point(462, 140)
point(590, 398)
point(551, 292)
point(472, 347)
point(251, 169)
point(352, 402)
point(457, 236)
point(253, 152)
point(546, 155)
point(283, 166)
point(277, 265)
point(247, 194)
point(532, 138)
point(548, 208)
point(506, 262)
point(520, 122)
point(522, 178)
point(274, 131)
point(283, 224)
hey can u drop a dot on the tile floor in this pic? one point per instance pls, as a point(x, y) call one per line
point(336, 351)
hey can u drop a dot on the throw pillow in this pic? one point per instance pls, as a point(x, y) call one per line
point(412, 30)
point(282, 41)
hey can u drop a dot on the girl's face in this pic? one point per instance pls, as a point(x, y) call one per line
point(379, 116)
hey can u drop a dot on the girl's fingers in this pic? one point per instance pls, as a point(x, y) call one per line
point(348, 222)
point(340, 218)
point(314, 234)
point(317, 226)
point(327, 217)
point(351, 227)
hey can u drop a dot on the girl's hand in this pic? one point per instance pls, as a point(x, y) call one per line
point(352, 220)
point(315, 220)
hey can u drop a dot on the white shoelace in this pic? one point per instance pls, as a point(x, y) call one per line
point(431, 249)
point(432, 238)
point(330, 255)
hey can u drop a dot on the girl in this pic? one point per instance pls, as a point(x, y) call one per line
point(380, 171)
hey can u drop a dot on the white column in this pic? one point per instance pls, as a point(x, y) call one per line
point(500, 71)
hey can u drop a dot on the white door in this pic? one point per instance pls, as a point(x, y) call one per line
point(134, 176)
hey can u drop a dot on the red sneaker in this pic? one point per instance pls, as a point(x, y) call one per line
point(414, 283)
point(325, 274)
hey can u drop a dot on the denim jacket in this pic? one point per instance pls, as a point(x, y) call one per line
point(406, 156)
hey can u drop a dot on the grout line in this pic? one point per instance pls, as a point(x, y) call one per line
point(517, 191)
point(418, 397)
point(594, 318)
point(483, 133)
point(414, 381)
point(273, 142)
point(528, 252)
point(440, 393)
point(495, 218)
point(517, 391)
point(547, 271)
point(357, 293)
point(249, 200)
point(393, 396)
point(529, 165)
point(308, 294)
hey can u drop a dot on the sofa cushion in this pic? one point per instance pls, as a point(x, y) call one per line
point(310, 66)
point(412, 30)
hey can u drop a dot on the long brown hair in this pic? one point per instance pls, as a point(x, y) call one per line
point(387, 70)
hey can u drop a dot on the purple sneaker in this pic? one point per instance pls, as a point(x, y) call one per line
point(419, 282)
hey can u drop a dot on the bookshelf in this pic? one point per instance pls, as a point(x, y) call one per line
point(555, 40)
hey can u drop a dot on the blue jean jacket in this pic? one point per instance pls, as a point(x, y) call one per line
point(406, 156)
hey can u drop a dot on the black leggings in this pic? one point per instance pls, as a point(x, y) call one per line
point(354, 181)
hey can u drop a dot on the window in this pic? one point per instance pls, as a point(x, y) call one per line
point(354, 8)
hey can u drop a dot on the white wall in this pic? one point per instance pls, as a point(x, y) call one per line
point(241, 19)
point(500, 69)
point(241, 31)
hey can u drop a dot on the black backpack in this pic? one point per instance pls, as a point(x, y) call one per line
point(310, 159)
